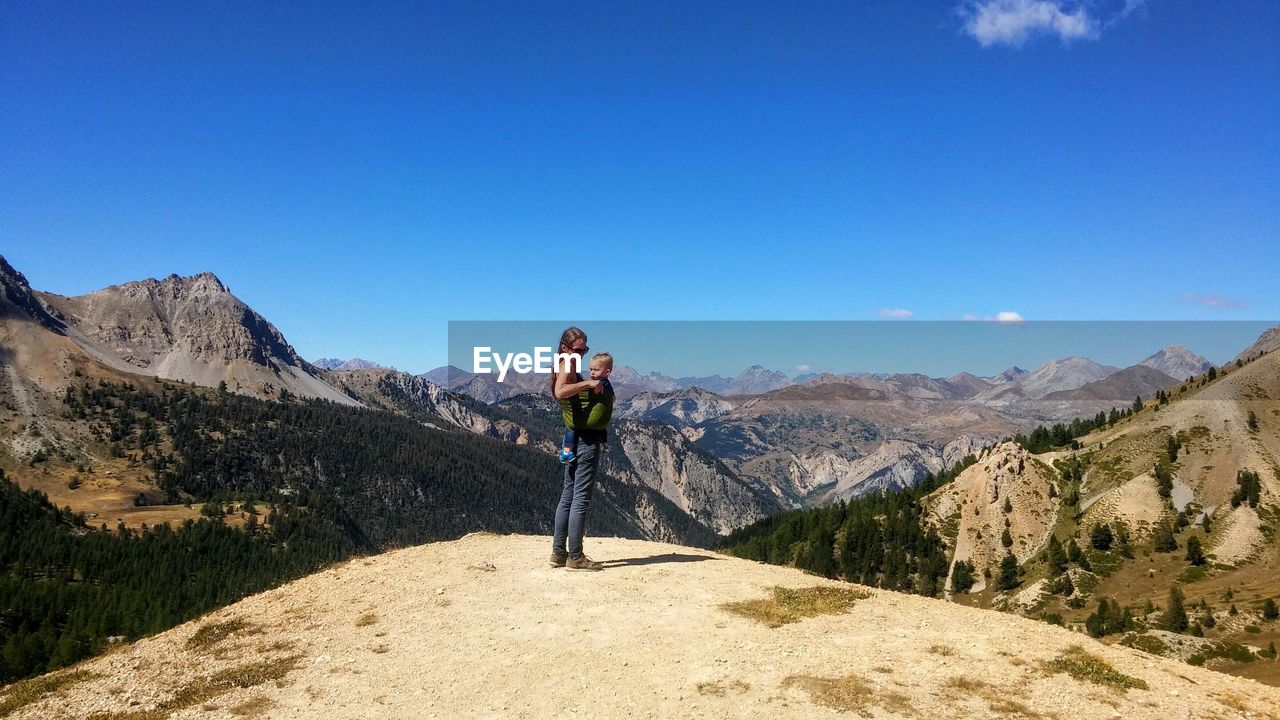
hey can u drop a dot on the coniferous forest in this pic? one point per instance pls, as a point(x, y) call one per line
point(66, 588)
point(880, 540)
point(322, 482)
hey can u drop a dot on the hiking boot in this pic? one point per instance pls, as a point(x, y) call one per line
point(558, 559)
point(582, 562)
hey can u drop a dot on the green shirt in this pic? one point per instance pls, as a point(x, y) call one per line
point(588, 410)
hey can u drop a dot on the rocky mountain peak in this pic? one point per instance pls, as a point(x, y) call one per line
point(1177, 361)
point(18, 299)
point(180, 328)
point(1009, 375)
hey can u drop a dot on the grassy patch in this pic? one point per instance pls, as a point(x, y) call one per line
point(1146, 643)
point(966, 684)
point(242, 676)
point(1192, 573)
point(1090, 668)
point(943, 650)
point(849, 694)
point(366, 619)
point(1229, 651)
point(720, 689)
point(22, 694)
point(1004, 702)
point(213, 633)
point(792, 605)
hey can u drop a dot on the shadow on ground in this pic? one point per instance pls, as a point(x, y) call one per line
point(655, 559)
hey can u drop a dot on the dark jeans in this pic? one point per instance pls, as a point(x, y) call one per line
point(571, 512)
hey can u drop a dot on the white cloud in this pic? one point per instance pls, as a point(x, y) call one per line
point(803, 368)
point(895, 313)
point(1217, 302)
point(1013, 22)
point(1006, 317)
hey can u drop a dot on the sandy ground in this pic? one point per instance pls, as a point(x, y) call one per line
point(482, 628)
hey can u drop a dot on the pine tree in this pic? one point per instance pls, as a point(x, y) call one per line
point(962, 577)
point(1194, 554)
point(1073, 551)
point(1253, 420)
point(1164, 480)
point(1065, 587)
point(1008, 572)
point(1269, 610)
point(1006, 539)
point(1137, 404)
point(1055, 557)
point(1164, 539)
point(1101, 537)
point(1175, 617)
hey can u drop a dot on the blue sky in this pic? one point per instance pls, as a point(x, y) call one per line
point(363, 173)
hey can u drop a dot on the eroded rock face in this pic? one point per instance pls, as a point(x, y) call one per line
point(426, 401)
point(661, 458)
point(973, 507)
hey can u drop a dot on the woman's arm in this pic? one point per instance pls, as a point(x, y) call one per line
point(566, 389)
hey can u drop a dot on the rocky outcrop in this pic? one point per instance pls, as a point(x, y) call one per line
point(970, 511)
point(1267, 342)
point(19, 301)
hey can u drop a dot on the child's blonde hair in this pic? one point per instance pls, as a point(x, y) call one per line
point(603, 357)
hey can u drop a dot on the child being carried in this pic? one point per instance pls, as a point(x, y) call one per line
point(589, 409)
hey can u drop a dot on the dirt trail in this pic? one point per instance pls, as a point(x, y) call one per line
point(482, 628)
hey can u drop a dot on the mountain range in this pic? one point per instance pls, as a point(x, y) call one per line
point(826, 438)
point(161, 401)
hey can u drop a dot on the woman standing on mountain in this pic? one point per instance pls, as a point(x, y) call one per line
point(579, 473)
